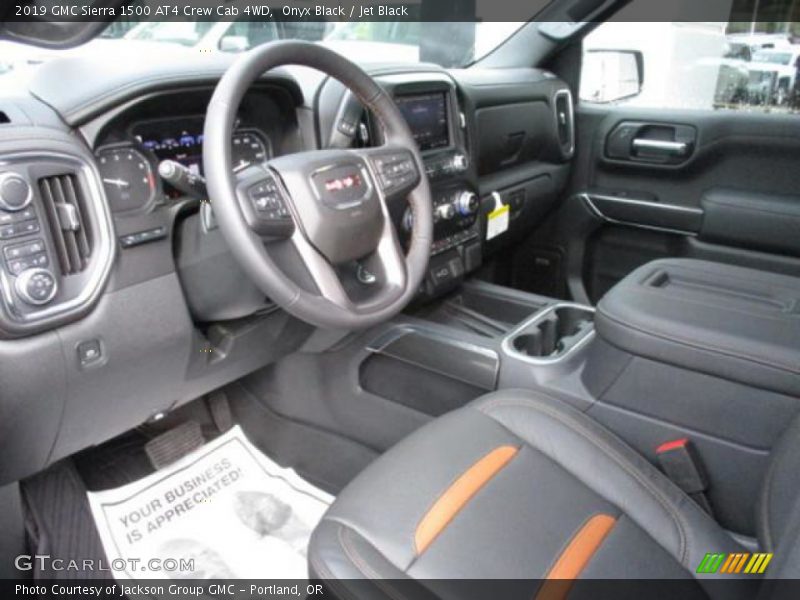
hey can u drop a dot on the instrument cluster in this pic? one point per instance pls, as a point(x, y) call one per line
point(130, 169)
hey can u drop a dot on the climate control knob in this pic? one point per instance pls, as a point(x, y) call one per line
point(445, 212)
point(36, 286)
point(467, 203)
point(15, 192)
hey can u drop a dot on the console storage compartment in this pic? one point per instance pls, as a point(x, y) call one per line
point(735, 323)
point(483, 308)
point(426, 370)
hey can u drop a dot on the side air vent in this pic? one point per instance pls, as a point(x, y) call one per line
point(65, 206)
point(4, 118)
point(565, 122)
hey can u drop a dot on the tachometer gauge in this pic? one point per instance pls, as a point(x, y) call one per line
point(128, 178)
point(248, 149)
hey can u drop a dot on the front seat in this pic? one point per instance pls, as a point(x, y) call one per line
point(520, 486)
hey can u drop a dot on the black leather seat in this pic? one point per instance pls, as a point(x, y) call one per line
point(520, 486)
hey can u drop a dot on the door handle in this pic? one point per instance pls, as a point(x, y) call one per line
point(657, 144)
point(661, 146)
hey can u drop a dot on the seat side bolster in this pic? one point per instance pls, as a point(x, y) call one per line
point(354, 568)
point(780, 489)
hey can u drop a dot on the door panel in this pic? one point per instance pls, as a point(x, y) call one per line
point(720, 185)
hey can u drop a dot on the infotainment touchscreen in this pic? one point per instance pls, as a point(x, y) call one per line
point(426, 115)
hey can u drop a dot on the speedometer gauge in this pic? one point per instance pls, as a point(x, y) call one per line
point(127, 177)
point(247, 149)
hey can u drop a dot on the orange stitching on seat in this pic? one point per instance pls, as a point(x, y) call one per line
point(455, 497)
point(624, 462)
point(575, 557)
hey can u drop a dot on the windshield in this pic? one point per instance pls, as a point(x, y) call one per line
point(185, 33)
point(449, 44)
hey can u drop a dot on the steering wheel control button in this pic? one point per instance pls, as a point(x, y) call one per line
point(395, 170)
point(36, 286)
point(90, 353)
point(347, 127)
point(15, 192)
point(267, 202)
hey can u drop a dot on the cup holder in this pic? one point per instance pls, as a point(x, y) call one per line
point(551, 334)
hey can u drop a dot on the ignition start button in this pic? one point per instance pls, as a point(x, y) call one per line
point(15, 192)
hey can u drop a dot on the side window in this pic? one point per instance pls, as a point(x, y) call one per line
point(712, 66)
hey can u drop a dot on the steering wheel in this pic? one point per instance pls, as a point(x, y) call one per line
point(313, 229)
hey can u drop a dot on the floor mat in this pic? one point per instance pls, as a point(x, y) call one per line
point(225, 510)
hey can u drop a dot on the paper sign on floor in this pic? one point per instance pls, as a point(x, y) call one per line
point(226, 506)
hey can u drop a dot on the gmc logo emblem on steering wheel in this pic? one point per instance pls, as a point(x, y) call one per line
point(343, 183)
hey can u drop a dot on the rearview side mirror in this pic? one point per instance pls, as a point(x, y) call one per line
point(234, 43)
point(611, 75)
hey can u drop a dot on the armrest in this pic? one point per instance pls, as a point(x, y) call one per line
point(736, 323)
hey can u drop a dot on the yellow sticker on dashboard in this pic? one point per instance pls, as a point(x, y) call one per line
point(497, 221)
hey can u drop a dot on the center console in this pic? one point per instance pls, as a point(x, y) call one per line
point(430, 106)
point(479, 338)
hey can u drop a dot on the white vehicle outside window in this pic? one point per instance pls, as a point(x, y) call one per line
point(690, 66)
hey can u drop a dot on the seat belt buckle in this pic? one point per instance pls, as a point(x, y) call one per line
point(681, 463)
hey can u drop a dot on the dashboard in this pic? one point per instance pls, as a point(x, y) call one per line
point(134, 141)
point(142, 300)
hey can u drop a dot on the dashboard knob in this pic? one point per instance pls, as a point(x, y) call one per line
point(36, 286)
point(467, 203)
point(15, 192)
point(445, 212)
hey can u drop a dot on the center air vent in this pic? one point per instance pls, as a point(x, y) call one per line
point(65, 206)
